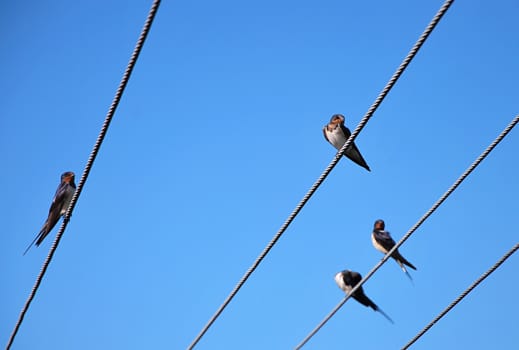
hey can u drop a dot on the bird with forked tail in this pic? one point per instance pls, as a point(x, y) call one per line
point(58, 208)
point(336, 133)
point(346, 280)
point(383, 242)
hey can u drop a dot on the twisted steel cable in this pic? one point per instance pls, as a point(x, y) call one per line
point(328, 169)
point(435, 206)
point(461, 296)
point(90, 162)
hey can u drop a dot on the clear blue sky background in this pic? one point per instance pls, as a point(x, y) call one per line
point(217, 138)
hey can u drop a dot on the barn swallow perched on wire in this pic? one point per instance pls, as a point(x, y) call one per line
point(346, 280)
point(58, 208)
point(383, 242)
point(336, 133)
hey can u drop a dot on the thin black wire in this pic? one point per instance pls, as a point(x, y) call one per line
point(330, 167)
point(90, 162)
point(462, 295)
point(415, 227)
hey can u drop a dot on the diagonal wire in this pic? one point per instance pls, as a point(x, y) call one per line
point(330, 167)
point(90, 162)
point(462, 295)
point(418, 224)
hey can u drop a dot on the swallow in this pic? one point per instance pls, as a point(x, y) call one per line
point(336, 133)
point(346, 280)
point(58, 208)
point(383, 242)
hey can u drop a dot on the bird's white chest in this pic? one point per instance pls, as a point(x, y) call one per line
point(340, 282)
point(377, 245)
point(336, 137)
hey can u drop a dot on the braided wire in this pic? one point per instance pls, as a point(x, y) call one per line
point(435, 206)
point(88, 166)
point(462, 295)
point(329, 168)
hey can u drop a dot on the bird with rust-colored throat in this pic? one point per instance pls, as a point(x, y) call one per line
point(58, 208)
point(336, 133)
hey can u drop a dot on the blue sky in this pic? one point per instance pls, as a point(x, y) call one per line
point(218, 137)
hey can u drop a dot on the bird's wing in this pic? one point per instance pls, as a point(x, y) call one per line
point(403, 260)
point(352, 151)
point(355, 278)
point(49, 224)
point(58, 203)
point(364, 300)
point(54, 213)
point(346, 131)
point(354, 154)
point(384, 239)
point(59, 198)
